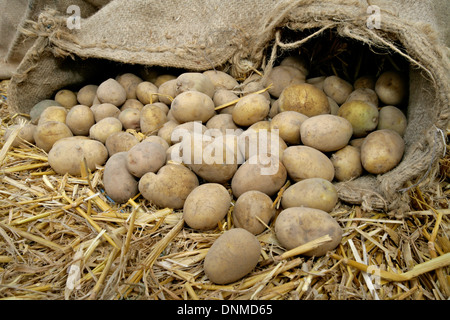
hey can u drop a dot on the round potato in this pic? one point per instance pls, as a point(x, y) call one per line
point(105, 110)
point(364, 94)
point(260, 125)
point(167, 91)
point(282, 76)
point(192, 106)
point(347, 163)
point(38, 108)
point(25, 134)
point(132, 104)
point(110, 91)
point(253, 87)
point(221, 80)
point(392, 118)
point(165, 132)
point(120, 141)
point(120, 185)
point(304, 98)
point(297, 226)
point(315, 193)
point(152, 119)
point(391, 88)
point(232, 256)
point(261, 142)
point(147, 92)
point(104, 128)
point(66, 98)
point(205, 206)
point(130, 119)
point(67, 155)
point(337, 89)
point(251, 109)
point(288, 124)
point(47, 133)
point(87, 94)
point(253, 211)
point(303, 162)
point(366, 81)
point(163, 78)
point(223, 123)
point(169, 187)
point(381, 151)
point(326, 132)
point(144, 157)
point(164, 107)
point(298, 62)
point(195, 81)
point(317, 82)
point(129, 82)
point(222, 97)
point(53, 113)
point(80, 119)
point(362, 115)
point(158, 140)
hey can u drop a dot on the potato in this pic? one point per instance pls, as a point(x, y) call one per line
point(250, 109)
point(105, 110)
point(282, 76)
point(261, 142)
point(381, 151)
point(53, 114)
point(232, 256)
point(304, 98)
point(152, 119)
point(104, 128)
point(195, 81)
point(317, 82)
point(120, 185)
point(165, 132)
point(253, 211)
point(158, 140)
point(67, 154)
point(222, 97)
point(110, 91)
point(299, 225)
point(362, 115)
point(221, 80)
point(144, 157)
point(38, 108)
point(174, 153)
point(66, 98)
point(25, 134)
point(347, 163)
point(393, 118)
point(326, 132)
point(192, 106)
point(169, 187)
point(364, 94)
point(187, 128)
point(132, 104)
point(163, 78)
point(391, 88)
point(120, 141)
point(86, 95)
point(366, 81)
point(303, 162)
point(315, 193)
point(164, 107)
point(253, 87)
point(147, 92)
point(129, 82)
point(334, 107)
point(297, 62)
point(80, 119)
point(288, 124)
point(337, 89)
point(130, 119)
point(357, 142)
point(223, 123)
point(274, 108)
point(47, 133)
point(167, 91)
point(260, 125)
point(205, 206)
point(258, 174)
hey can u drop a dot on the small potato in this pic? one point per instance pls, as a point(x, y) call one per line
point(67, 155)
point(222, 97)
point(120, 142)
point(192, 106)
point(337, 89)
point(53, 114)
point(120, 185)
point(195, 81)
point(288, 124)
point(205, 206)
point(104, 128)
point(147, 93)
point(381, 151)
point(129, 82)
point(366, 81)
point(169, 187)
point(105, 110)
point(303, 162)
point(347, 163)
point(110, 91)
point(80, 119)
point(297, 62)
point(221, 80)
point(315, 193)
point(132, 104)
point(222, 122)
point(131, 119)
point(304, 98)
point(253, 211)
point(25, 134)
point(86, 95)
point(364, 94)
point(391, 88)
point(38, 108)
point(281, 77)
point(362, 115)
point(66, 98)
point(145, 157)
point(152, 119)
point(250, 109)
point(261, 173)
point(232, 256)
point(47, 133)
point(326, 132)
point(299, 225)
point(167, 91)
point(393, 118)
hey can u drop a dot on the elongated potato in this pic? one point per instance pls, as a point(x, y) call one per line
point(152, 119)
point(145, 157)
point(304, 98)
point(347, 163)
point(251, 109)
point(47, 133)
point(120, 185)
point(288, 124)
point(192, 106)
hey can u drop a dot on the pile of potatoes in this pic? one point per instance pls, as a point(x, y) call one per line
point(311, 132)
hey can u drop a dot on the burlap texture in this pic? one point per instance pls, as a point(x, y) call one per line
point(200, 35)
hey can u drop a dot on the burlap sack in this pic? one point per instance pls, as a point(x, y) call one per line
point(200, 35)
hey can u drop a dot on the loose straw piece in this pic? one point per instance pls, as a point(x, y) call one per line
point(225, 105)
point(304, 248)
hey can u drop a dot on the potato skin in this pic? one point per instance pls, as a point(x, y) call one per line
point(232, 256)
point(110, 91)
point(206, 205)
point(86, 95)
point(282, 76)
point(337, 89)
point(391, 87)
point(304, 98)
point(299, 225)
point(25, 133)
point(362, 115)
point(250, 109)
point(80, 119)
point(104, 128)
point(192, 106)
point(393, 118)
point(120, 141)
point(347, 163)
point(152, 119)
point(47, 133)
point(288, 124)
point(120, 185)
point(145, 157)
point(381, 151)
